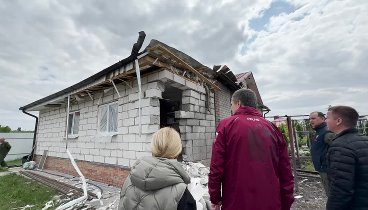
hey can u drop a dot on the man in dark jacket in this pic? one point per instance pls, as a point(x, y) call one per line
point(319, 146)
point(347, 160)
point(4, 149)
point(249, 161)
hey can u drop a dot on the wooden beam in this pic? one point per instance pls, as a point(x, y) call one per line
point(189, 67)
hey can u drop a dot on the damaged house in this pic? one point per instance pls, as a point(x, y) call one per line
point(106, 121)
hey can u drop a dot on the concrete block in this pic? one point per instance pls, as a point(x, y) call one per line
point(191, 93)
point(98, 159)
point(148, 119)
point(187, 107)
point(180, 80)
point(124, 115)
point(201, 89)
point(191, 85)
point(156, 85)
point(192, 122)
point(84, 151)
point(197, 143)
point(192, 136)
point(114, 153)
point(128, 138)
point(142, 154)
point(91, 132)
point(128, 121)
point(196, 108)
point(150, 110)
point(184, 114)
point(189, 100)
point(123, 162)
point(133, 97)
point(147, 147)
point(105, 152)
point(165, 75)
point(146, 129)
point(133, 113)
point(199, 129)
point(135, 146)
point(88, 157)
point(129, 154)
point(111, 160)
point(133, 129)
point(199, 116)
point(153, 93)
point(92, 120)
point(210, 117)
point(202, 103)
point(153, 77)
point(188, 143)
point(210, 129)
point(144, 138)
point(204, 123)
point(120, 152)
point(123, 130)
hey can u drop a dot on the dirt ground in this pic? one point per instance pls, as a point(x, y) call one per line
point(314, 197)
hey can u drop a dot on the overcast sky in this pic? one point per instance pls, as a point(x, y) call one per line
point(304, 54)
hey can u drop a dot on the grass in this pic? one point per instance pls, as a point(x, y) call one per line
point(308, 166)
point(17, 162)
point(17, 191)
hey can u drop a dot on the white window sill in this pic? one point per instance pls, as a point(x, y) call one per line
point(72, 136)
point(105, 137)
point(108, 134)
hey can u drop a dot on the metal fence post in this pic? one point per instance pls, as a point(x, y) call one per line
point(291, 140)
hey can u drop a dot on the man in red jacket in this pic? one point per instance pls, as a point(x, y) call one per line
point(249, 161)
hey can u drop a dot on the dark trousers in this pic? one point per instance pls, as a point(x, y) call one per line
point(325, 182)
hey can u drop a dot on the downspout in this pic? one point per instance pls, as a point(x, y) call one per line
point(34, 134)
point(83, 198)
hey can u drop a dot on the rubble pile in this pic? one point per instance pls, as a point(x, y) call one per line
point(198, 184)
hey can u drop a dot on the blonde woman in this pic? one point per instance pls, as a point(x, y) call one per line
point(158, 182)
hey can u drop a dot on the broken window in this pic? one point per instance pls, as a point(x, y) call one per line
point(73, 123)
point(108, 118)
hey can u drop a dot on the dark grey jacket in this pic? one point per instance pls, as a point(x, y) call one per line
point(347, 160)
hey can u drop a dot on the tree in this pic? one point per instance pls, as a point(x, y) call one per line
point(5, 129)
point(19, 129)
point(284, 130)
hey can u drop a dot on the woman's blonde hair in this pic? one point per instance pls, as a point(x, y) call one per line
point(166, 143)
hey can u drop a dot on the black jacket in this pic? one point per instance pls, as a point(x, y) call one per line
point(187, 201)
point(319, 148)
point(347, 160)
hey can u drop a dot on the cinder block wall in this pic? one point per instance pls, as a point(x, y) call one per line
point(197, 124)
point(121, 149)
point(114, 154)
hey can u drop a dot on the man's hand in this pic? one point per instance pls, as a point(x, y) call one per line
point(215, 206)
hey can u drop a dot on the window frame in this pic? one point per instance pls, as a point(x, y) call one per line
point(108, 122)
point(71, 128)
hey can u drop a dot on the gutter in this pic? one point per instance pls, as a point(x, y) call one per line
point(34, 134)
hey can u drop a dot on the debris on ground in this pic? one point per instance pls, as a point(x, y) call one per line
point(310, 196)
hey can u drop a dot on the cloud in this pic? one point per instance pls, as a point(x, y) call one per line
point(315, 55)
point(303, 58)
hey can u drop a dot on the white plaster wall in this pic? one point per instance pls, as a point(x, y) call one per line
point(21, 144)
